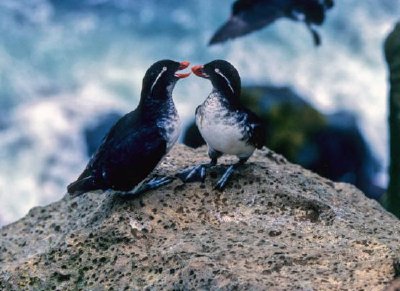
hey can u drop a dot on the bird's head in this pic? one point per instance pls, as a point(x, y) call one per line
point(223, 76)
point(162, 76)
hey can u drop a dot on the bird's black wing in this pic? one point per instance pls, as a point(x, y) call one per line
point(129, 160)
point(256, 131)
point(128, 153)
point(248, 16)
point(117, 131)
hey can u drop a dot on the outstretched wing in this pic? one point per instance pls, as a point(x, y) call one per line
point(248, 16)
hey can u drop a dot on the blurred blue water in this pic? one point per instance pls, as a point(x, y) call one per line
point(65, 63)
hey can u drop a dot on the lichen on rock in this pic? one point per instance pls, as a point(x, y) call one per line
point(276, 226)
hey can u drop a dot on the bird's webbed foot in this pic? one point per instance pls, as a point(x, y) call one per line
point(225, 178)
point(198, 173)
point(193, 174)
point(220, 186)
point(152, 184)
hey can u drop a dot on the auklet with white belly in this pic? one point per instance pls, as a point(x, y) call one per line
point(139, 140)
point(224, 123)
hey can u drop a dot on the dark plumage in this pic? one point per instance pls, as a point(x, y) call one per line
point(139, 140)
point(250, 15)
point(224, 123)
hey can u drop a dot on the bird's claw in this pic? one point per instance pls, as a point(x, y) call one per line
point(153, 183)
point(157, 182)
point(193, 174)
point(220, 186)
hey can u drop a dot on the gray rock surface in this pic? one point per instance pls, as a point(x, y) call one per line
point(276, 226)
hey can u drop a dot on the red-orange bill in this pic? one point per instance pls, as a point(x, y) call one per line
point(198, 71)
point(182, 75)
point(183, 65)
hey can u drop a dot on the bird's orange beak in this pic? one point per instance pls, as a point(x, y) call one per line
point(198, 71)
point(183, 65)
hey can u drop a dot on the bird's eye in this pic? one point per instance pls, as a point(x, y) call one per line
point(158, 77)
point(226, 79)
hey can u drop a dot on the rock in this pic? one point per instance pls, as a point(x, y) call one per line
point(276, 226)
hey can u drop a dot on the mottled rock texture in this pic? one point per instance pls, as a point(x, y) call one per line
point(276, 226)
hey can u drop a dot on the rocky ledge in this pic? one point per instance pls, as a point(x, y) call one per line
point(276, 226)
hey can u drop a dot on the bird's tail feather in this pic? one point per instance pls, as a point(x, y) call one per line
point(81, 186)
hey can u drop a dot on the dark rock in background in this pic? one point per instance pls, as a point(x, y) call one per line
point(276, 226)
point(330, 145)
point(95, 133)
point(339, 152)
point(392, 54)
point(192, 137)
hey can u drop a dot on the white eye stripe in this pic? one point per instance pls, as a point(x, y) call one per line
point(226, 79)
point(164, 69)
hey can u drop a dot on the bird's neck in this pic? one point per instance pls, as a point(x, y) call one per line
point(156, 95)
point(228, 87)
point(226, 97)
point(155, 106)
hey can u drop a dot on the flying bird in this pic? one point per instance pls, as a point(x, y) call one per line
point(139, 140)
point(224, 123)
point(251, 15)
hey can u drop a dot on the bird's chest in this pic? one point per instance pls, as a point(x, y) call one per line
point(221, 128)
point(171, 127)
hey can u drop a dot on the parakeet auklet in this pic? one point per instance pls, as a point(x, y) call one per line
point(224, 123)
point(251, 15)
point(139, 140)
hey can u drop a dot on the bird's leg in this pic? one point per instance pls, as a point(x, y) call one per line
point(154, 183)
point(314, 33)
point(198, 173)
point(228, 173)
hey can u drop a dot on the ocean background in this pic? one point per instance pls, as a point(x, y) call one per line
point(65, 64)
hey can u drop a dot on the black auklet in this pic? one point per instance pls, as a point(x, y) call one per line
point(139, 140)
point(224, 123)
point(251, 15)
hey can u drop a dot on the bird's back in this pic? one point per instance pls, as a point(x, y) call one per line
point(128, 153)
